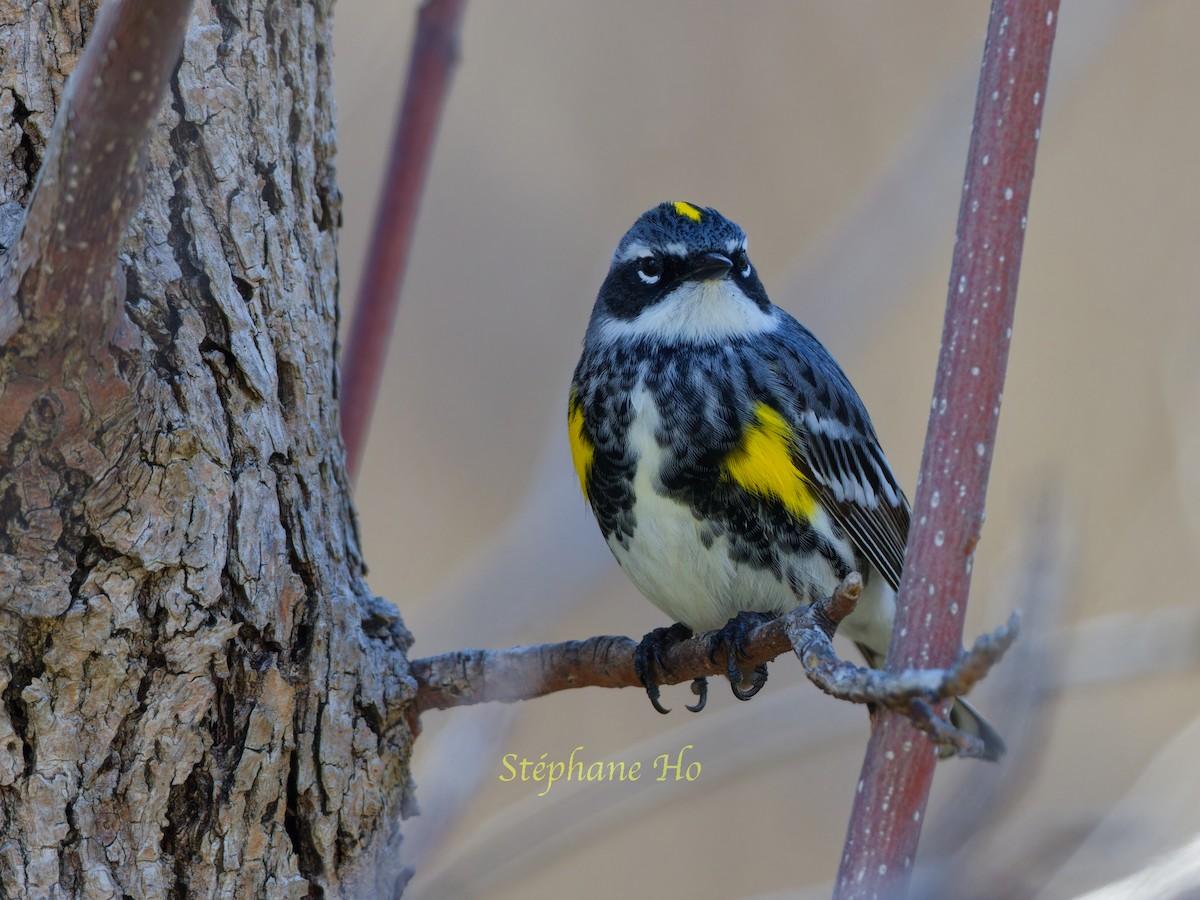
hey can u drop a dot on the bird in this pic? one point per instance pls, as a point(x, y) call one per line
point(730, 464)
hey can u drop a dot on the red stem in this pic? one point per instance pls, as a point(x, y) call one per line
point(889, 805)
point(433, 59)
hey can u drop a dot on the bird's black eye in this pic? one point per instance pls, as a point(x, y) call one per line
point(650, 269)
point(741, 262)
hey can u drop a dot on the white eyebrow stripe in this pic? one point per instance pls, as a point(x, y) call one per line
point(674, 248)
point(634, 251)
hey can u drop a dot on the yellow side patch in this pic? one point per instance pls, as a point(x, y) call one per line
point(582, 450)
point(687, 211)
point(762, 464)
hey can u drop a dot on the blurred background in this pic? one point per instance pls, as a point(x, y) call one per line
point(836, 135)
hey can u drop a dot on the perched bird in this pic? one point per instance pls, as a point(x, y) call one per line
point(730, 464)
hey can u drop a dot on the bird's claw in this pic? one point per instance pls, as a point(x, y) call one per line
point(756, 683)
point(649, 654)
point(732, 638)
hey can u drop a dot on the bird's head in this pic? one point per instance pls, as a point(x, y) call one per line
point(681, 275)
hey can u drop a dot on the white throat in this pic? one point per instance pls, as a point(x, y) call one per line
point(696, 312)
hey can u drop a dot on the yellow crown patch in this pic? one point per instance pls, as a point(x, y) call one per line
point(687, 210)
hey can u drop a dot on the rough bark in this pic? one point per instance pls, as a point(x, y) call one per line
point(201, 696)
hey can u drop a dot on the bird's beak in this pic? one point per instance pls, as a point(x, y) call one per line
point(709, 266)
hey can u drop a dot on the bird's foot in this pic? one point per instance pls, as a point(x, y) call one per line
point(649, 654)
point(732, 639)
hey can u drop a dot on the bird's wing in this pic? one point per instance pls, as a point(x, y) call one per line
point(840, 455)
point(851, 478)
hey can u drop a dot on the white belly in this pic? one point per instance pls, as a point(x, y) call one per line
point(682, 568)
point(697, 585)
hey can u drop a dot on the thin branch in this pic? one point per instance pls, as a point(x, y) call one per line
point(521, 837)
point(909, 692)
point(434, 57)
point(61, 293)
point(468, 677)
point(948, 511)
point(91, 179)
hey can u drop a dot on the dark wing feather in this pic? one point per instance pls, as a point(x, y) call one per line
point(879, 532)
point(840, 454)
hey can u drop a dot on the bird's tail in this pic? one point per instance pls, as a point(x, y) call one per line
point(963, 716)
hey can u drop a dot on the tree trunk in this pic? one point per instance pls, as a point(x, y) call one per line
point(201, 696)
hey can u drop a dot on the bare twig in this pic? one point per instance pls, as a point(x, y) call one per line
point(885, 824)
point(433, 59)
point(61, 292)
point(90, 180)
point(793, 721)
point(467, 677)
point(910, 692)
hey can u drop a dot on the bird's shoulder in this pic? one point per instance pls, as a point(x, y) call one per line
point(837, 449)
